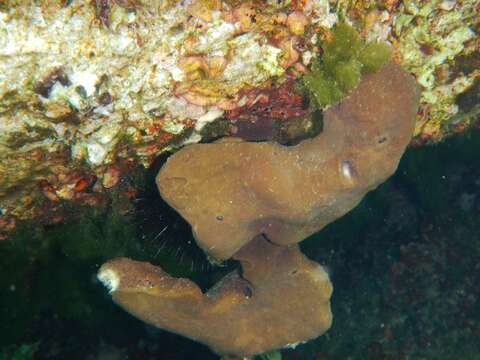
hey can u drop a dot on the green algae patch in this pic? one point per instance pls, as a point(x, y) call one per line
point(373, 56)
point(323, 88)
point(345, 44)
point(347, 74)
point(345, 59)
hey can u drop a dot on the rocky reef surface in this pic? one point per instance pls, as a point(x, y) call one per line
point(90, 91)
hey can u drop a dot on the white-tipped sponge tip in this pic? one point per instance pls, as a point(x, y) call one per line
point(109, 279)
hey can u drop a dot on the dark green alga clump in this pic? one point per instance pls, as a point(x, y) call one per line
point(344, 60)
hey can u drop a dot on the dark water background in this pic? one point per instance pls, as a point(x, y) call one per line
point(405, 265)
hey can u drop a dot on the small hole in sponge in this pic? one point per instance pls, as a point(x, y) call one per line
point(248, 292)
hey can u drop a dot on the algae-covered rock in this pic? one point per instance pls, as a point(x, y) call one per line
point(90, 90)
point(437, 41)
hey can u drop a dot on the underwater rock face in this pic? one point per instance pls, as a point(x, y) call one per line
point(231, 190)
point(280, 299)
point(87, 86)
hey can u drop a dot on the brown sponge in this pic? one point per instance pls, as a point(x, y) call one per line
point(280, 299)
point(231, 190)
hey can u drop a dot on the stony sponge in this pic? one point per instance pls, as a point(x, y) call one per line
point(231, 190)
point(281, 298)
point(344, 59)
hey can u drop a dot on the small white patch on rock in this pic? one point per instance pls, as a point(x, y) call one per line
point(87, 80)
point(96, 153)
point(211, 115)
